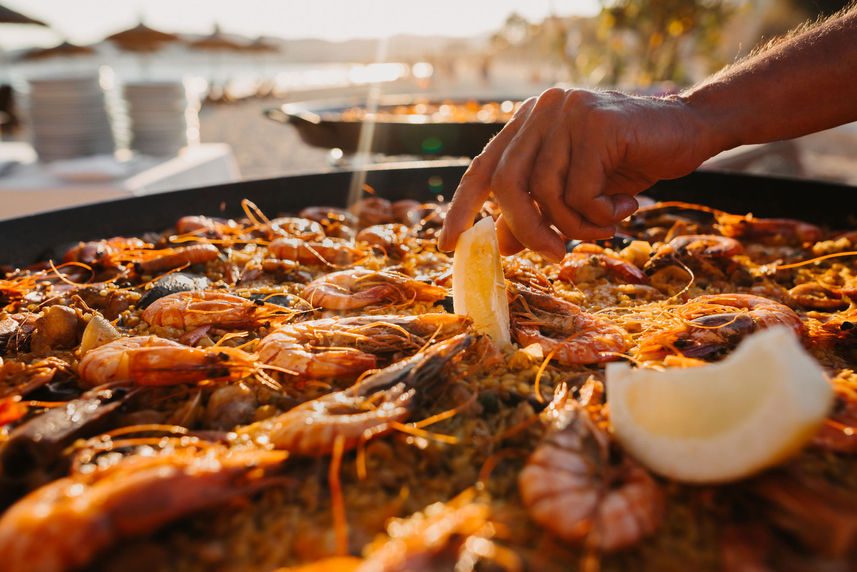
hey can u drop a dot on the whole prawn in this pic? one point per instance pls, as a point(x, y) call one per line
point(563, 330)
point(698, 251)
point(590, 261)
point(363, 411)
point(209, 308)
point(358, 287)
point(715, 323)
point(331, 347)
point(327, 252)
point(775, 230)
point(577, 490)
point(150, 360)
point(66, 523)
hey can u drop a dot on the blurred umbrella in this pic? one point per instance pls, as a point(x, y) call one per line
point(217, 41)
point(142, 38)
point(8, 16)
point(261, 45)
point(60, 50)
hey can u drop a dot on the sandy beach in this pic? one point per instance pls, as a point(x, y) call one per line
point(262, 147)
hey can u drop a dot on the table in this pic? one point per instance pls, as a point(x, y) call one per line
point(28, 187)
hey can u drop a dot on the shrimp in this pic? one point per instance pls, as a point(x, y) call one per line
point(206, 226)
point(588, 262)
point(523, 272)
point(716, 323)
point(365, 410)
point(66, 523)
point(814, 513)
point(329, 215)
point(150, 360)
point(372, 210)
point(839, 432)
point(169, 258)
point(207, 308)
point(580, 491)
point(816, 296)
point(337, 223)
point(326, 251)
point(107, 253)
point(16, 331)
point(674, 264)
point(402, 208)
point(774, 230)
point(294, 227)
point(389, 237)
point(571, 336)
point(332, 347)
point(658, 221)
point(33, 453)
point(694, 250)
point(358, 287)
point(443, 536)
point(425, 220)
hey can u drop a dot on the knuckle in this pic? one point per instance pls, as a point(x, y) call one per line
point(576, 200)
point(551, 96)
point(479, 163)
point(599, 215)
point(575, 98)
point(504, 182)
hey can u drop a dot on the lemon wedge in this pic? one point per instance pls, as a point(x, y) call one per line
point(478, 284)
point(721, 421)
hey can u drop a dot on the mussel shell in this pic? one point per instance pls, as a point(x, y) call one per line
point(170, 284)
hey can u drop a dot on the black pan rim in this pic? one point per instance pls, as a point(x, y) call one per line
point(29, 239)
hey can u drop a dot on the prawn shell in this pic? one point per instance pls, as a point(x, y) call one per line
point(66, 523)
point(149, 360)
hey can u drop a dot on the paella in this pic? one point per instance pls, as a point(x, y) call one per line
point(442, 111)
point(296, 391)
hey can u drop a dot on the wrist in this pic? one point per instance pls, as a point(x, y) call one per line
point(716, 126)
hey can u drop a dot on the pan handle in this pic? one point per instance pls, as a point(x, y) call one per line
point(276, 114)
point(281, 116)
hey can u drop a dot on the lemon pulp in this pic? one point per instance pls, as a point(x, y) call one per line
point(725, 420)
point(478, 284)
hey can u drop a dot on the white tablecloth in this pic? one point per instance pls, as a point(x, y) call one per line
point(28, 187)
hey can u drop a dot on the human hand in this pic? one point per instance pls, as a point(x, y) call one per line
point(569, 163)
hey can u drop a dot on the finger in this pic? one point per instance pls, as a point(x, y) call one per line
point(511, 182)
point(527, 224)
point(624, 205)
point(509, 245)
point(584, 190)
point(547, 186)
point(475, 186)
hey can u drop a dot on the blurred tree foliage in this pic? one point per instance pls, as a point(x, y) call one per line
point(631, 43)
point(650, 44)
point(649, 41)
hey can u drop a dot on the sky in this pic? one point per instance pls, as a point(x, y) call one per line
point(88, 21)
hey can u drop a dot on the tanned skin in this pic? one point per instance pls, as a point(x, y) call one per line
point(570, 162)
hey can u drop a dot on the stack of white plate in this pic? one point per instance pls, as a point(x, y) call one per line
point(160, 115)
point(68, 118)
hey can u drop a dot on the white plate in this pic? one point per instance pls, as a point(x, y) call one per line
point(98, 168)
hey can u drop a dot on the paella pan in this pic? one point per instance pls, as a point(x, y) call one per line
point(254, 377)
point(415, 125)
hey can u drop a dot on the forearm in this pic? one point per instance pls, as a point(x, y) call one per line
point(803, 84)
